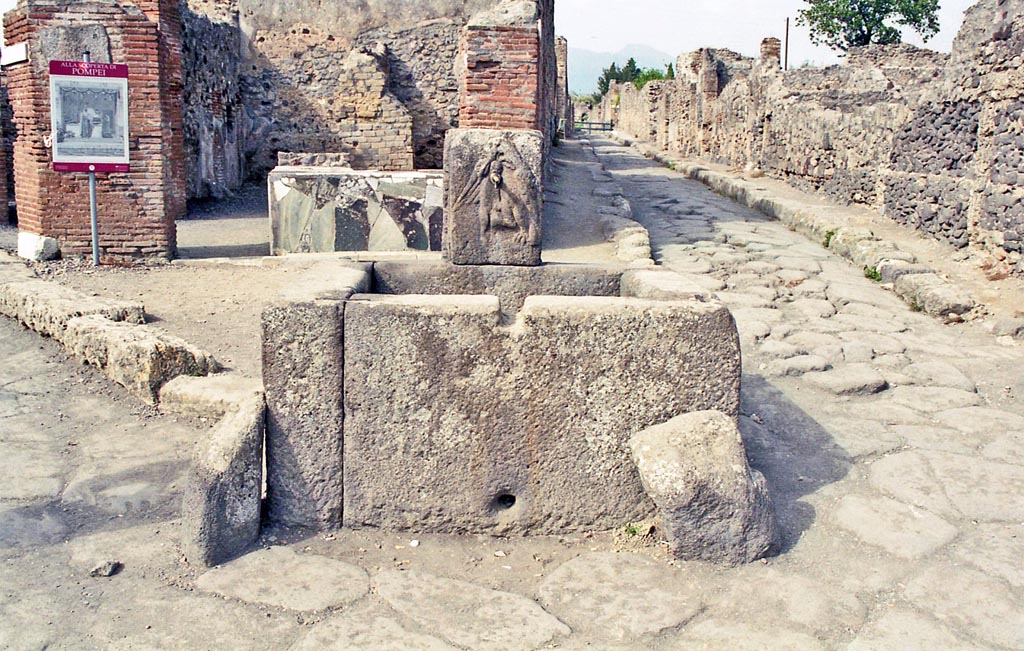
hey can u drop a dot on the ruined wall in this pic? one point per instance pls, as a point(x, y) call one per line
point(373, 79)
point(930, 140)
point(138, 208)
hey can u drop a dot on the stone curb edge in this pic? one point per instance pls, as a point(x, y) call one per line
point(918, 285)
point(632, 241)
point(222, 496)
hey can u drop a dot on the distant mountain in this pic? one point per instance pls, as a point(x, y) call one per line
point(586, 66)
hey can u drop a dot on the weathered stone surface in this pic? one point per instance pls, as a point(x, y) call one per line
point(758, 592)
point(933, 399)
point(933, 295)
point(663, 285)
point(726, 634)
point(891, 270)
point(468, 615)
point(996, 549)
point(982, 490)
point(282, 578)
point(907, 476)
point(210, 396)
point(140, 358)
point(510, 284)
point(37, 247)
point(302, 358)
point(620, 596)
point(978, 420)
point(907, 631)
point(349, 633)
point(797, 365)
point(975, 603)
point(493, 195)
point(47, 307)
point(454, 423)
point(902, 530)
point(713, 506)
point(940, 374)
point(852, 379)
point(316, 210)
point(223, 495)
point(176, 620)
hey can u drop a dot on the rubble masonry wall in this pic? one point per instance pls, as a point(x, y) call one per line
point(930, 140)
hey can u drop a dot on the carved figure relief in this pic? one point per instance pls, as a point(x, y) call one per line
point(504, 189)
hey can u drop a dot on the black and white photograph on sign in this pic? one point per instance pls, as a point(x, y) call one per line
point(89, 119)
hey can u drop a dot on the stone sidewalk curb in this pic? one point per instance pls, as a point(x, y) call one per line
point(881, 261)
point(109, 334)
point(223, 492)
point(632, 241)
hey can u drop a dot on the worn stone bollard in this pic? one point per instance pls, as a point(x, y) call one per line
point(221, 509)
point(493, 196)
point(714, 507)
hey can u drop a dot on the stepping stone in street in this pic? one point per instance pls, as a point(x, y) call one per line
point(467, 614)
point(280, 577)
point(620, 596)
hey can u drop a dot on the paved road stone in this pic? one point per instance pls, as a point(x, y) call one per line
point(469, 615)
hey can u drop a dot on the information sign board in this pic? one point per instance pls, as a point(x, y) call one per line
point(89, 116)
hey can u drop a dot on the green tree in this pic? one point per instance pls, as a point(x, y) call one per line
point(670, 72)
point(842, 24)
point(630, 71)
point(649, 74)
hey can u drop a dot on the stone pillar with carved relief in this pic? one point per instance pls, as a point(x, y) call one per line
point(493, 196)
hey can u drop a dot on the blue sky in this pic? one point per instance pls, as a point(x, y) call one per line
point(675, 26)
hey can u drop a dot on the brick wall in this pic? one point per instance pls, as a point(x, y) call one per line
point(136, 209)
point(501, 84)
point(6, 158)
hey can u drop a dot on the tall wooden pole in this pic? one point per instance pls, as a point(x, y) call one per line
point(785, 58)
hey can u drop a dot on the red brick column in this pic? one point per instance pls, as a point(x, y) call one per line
point(137, 210)
point(501, 84)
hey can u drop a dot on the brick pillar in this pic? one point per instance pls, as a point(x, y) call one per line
point(500, 87)
point(137, 209)
point(6, 162)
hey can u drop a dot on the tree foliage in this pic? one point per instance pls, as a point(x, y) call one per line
point(842, 24)
point(630, 72)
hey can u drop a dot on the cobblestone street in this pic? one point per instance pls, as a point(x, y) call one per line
point(892, 444)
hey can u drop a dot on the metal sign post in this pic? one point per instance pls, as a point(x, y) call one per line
point(89, 121)
point(92, 202)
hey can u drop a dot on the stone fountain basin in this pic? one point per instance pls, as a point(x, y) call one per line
point(433, 398)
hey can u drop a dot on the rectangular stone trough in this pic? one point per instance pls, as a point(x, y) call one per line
point(483, 399)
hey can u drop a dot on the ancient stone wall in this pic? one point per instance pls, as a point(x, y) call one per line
point(932, 141)
point(373, 79)
point(138, 208)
